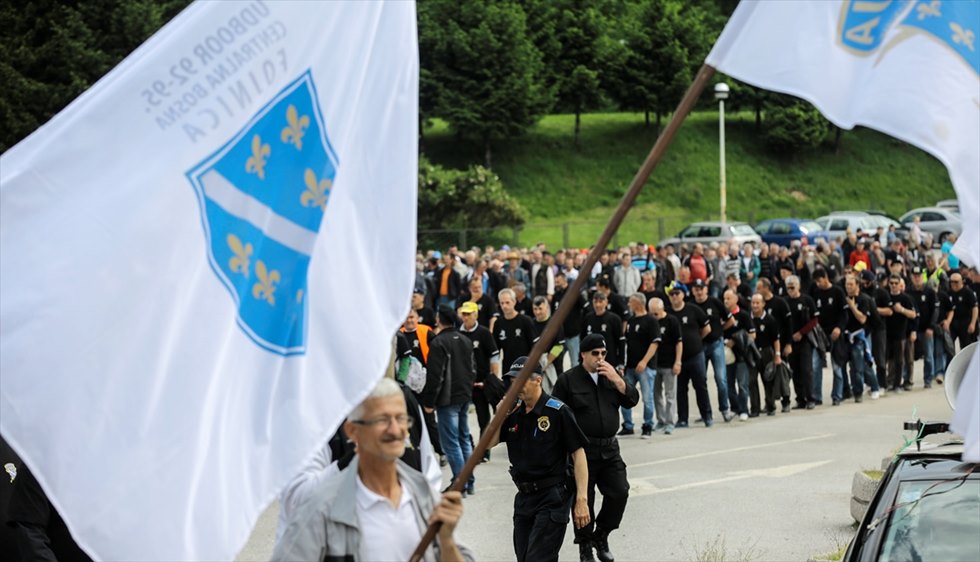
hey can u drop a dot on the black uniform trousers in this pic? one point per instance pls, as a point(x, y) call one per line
point(607, 471)
point(895, 356)
point(766, 358)
point(694, 372)
point(540, 519)
point(878, 346)
point(482, 409)
point(801, 362)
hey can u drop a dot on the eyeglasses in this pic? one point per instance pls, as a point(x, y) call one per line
point(598, 353)
point(402, 420)
point(893, 283)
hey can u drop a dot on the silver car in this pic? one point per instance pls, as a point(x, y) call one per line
point(940, 222)
point(708, 232)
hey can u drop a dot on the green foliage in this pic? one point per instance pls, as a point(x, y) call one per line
point(53, 50)
point(582, 187)
point(489, 71)
point(471, 198)
point(652, 57)
point(794, 126)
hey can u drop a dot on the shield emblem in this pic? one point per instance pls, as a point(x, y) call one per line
point(262, 197)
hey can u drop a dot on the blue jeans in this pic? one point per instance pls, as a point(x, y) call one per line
point(646, 379)
point(819, 364)
point(928, 356)
point(454, 435)
point(860, 370)
point(572, 346)
point(939, 356)
point(738, 394)
point(714, 353)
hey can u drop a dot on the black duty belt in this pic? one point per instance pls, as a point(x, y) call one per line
point(601, 441)
point(530, 487)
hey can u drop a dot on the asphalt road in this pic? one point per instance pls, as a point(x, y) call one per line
point(771, 488)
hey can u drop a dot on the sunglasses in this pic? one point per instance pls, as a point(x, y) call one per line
point(598, 353)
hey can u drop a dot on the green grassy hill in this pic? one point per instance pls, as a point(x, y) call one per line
point(571, 193)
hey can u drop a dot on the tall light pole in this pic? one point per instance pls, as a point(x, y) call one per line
point(721, 94)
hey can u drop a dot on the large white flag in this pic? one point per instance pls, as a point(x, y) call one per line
point(909, 68)
point(203, 260)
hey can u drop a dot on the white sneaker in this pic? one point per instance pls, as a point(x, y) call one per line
point(875, 395)
point(743, 417)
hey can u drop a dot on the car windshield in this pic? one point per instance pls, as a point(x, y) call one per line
point(742, 230)
point(809, 226)
point(937, 522)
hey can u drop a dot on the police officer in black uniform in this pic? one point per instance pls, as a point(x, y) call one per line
point(544, 442)
point(595, 391)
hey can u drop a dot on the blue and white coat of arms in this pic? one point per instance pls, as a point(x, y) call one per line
point(263, 195)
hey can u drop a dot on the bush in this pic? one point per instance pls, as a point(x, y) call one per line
point(471, 198)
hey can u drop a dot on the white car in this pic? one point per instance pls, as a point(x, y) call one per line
point(940, 222)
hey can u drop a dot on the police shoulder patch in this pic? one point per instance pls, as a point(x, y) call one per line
point(554, 403)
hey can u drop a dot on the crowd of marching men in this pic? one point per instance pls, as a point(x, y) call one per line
point(769, 320)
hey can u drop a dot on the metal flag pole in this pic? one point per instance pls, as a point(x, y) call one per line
point(551, 329)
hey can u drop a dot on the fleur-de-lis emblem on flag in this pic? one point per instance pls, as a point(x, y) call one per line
point(296, 128)
point(962, 36)
point(265, 288)
point(239, 262)
point(262, 213)
point(316, 193)
point(260, 154)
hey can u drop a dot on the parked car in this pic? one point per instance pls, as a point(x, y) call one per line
point(880, 218)
point(784, 231)
point(938, 221)
point(708, 232)
point(837, 225)
point(838, 222)
point(927, 505)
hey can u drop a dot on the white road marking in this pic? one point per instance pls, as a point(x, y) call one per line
point(646, 488)
point(734, 450)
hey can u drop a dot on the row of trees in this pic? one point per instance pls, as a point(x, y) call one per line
point(489, 68)
point(492, 69)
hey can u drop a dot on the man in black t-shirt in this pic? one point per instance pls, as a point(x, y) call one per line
point(737, 335)
point(961, 319)
point(484, 303)
point(869, 286)
point(927, 305)
point(484, 355)
point(803, 317)
point(714, 347)
point(694, 327)
point(897, 315)
point(767, 340)
point(608, 324)
point(642, 339)
point(831, 306)
point(513, 332)
point(668, 357)
point(860, 308)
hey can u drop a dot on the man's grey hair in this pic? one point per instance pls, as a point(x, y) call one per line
point(384, 389)
point(520, 287)
point(508, 292)
point(656, 304)
point(792, 280)
point(639, 297)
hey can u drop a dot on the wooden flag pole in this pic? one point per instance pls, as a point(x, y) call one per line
point(507, 403)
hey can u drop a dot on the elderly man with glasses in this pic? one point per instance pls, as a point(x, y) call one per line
point(378, 507)
point(595, 391)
